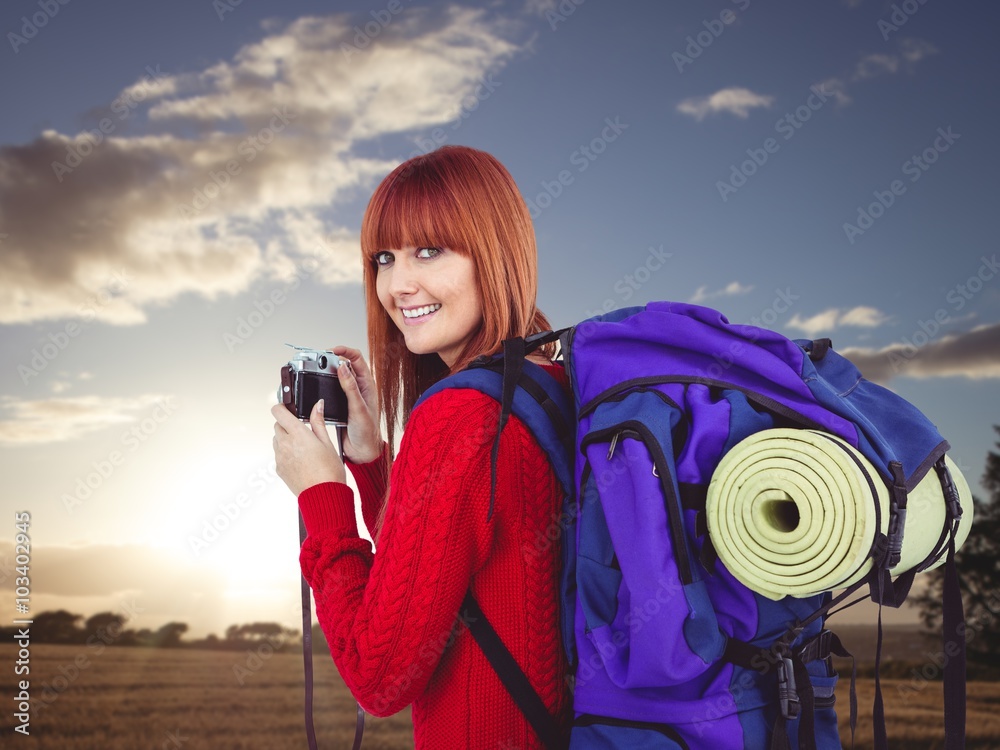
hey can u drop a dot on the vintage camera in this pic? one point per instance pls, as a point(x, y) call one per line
point(309, 376)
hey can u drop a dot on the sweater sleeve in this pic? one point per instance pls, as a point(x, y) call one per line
point(387, 617)
point(371, 480)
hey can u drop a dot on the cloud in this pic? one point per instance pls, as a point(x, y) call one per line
point(736, 101)
point(239, 168)
point(870, 66)
point(908, 53)
point(56, 420)
point(974, 355)
point(540, 7)
point(914, 50)
point(836, 88)
point(732, 289)
point(828, 320)
point(149, 586)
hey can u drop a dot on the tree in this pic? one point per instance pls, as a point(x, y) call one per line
point(105, 625)
point(979, 576)
point(169, 636)
point(57, 627)
point(255, 632)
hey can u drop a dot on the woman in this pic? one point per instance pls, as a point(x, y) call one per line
point(449, 271)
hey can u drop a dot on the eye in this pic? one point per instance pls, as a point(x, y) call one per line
point(428, 252)
point(382, 258)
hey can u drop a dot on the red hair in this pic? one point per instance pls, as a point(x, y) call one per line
point(465, 200)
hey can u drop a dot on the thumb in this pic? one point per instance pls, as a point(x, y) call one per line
point(318, 425)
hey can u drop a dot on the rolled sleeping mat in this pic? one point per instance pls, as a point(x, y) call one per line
point(791, 514)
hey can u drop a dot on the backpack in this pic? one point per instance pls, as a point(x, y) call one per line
point(670, 645)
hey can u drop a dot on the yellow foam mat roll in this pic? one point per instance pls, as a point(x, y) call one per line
point(791, 514)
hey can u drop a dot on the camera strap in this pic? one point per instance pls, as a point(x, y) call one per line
point(359, 730)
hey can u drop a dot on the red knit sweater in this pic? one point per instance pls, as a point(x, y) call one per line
point(391, 619)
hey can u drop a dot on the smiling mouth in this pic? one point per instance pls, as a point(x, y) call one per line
point(420, 312)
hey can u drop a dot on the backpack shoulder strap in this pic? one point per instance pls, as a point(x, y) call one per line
point(535, 397)
point(511, 674)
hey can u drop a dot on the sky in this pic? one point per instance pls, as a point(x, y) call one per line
point(182, 186)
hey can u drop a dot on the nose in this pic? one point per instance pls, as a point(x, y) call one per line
point(402, 281)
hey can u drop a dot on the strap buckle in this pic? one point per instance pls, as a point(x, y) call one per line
point(816, 648)
point(788, 696)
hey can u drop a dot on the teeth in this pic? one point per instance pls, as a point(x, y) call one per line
point(419, 311)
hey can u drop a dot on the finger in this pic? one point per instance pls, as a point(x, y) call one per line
point(319, 425)
point(284, 417)
point(356, 359)
point(356, 406)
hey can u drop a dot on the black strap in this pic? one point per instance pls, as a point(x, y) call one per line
point(511, 675)
point(953, 623)
point(307, 647)
point(878, 707)
point(359, 728)
point(795, 692)
point(818, 349)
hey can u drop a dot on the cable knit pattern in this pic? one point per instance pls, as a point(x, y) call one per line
point(391, 619)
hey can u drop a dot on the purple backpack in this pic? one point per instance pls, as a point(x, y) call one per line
point(669, 648)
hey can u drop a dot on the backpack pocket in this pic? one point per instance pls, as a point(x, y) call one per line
point(602, 733)
point(638, 585)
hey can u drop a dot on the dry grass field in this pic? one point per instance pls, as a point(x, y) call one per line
point(129, 698)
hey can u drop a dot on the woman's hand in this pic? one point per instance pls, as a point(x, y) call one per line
point(364, 441)
point(304, 455)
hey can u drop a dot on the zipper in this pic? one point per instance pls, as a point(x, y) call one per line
point(661, 470)
point(770, 404)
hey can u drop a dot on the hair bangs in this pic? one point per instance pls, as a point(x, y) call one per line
point(414, 210)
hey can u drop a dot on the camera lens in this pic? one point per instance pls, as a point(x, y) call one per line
point(322, 362)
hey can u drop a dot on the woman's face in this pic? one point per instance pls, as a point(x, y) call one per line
point(431, 295)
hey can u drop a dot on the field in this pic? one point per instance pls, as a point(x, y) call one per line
point(128, 698)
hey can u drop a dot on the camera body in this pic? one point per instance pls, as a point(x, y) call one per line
point(309, 376)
